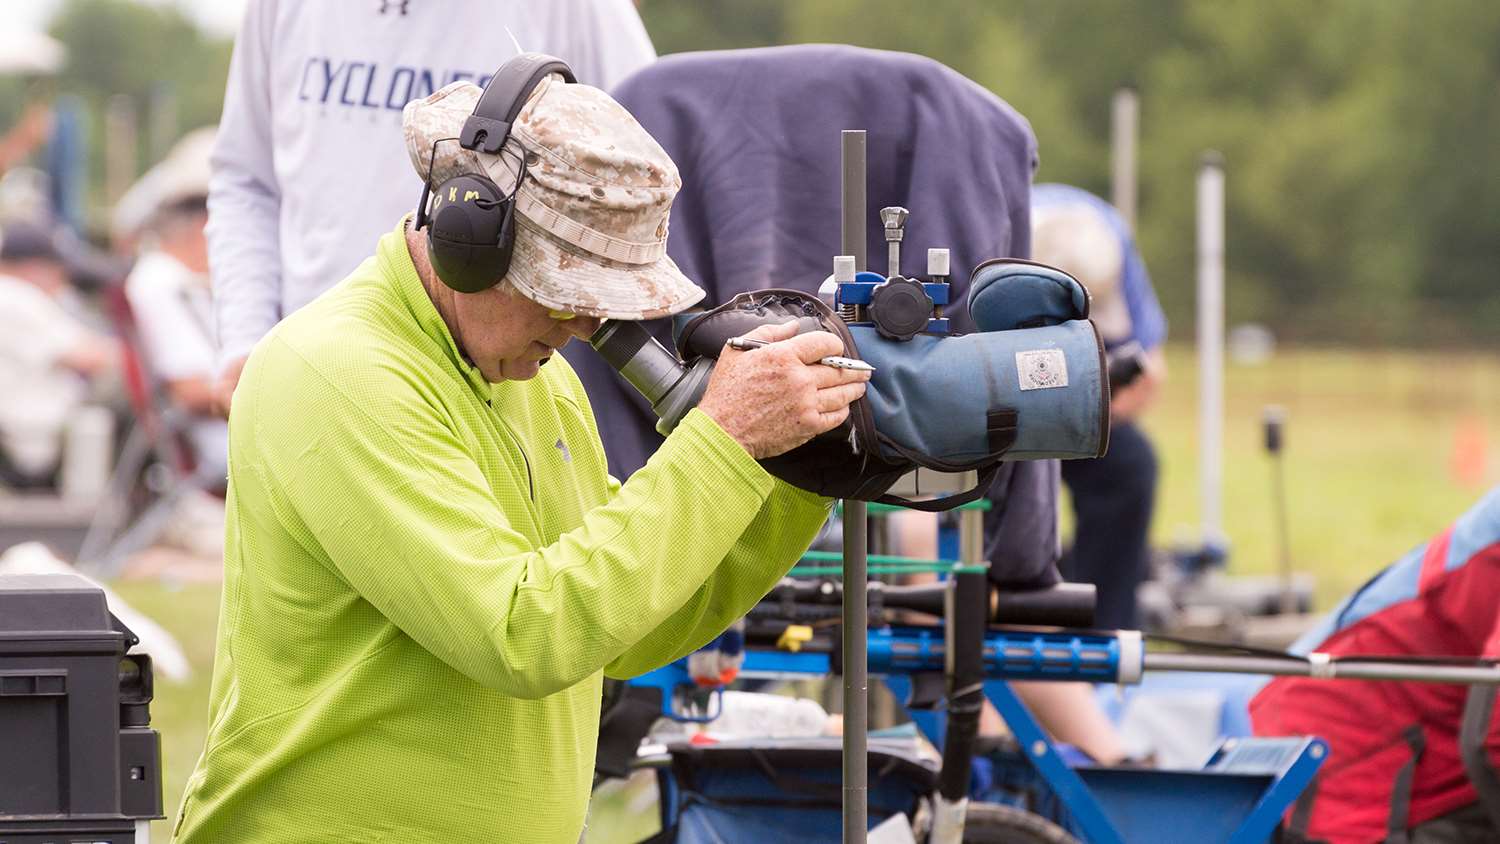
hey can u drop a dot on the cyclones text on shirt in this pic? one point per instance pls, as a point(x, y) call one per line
point(350, 83)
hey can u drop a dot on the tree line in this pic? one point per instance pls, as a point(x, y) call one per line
point(1361, 137)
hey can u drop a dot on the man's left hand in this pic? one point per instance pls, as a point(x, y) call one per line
point(1127, 403)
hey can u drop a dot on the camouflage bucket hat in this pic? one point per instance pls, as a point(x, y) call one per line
point(591, 221)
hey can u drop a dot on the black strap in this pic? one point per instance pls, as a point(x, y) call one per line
point(1001, 426)
point(627, 721)
point(1396, 825)
point(937, 505)
point(488, 127)
point(1473, 750)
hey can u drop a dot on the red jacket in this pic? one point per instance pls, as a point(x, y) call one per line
point(1442, 599)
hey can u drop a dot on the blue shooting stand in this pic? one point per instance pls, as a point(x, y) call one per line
point(1238, 795)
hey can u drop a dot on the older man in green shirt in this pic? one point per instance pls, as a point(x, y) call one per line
point(428, 571)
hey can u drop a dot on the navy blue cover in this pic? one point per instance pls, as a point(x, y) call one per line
point(759, 791)
point(755, 136)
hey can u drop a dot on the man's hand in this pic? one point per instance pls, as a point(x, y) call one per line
point(775, 398)
point(228, 380)
point(1128, 402)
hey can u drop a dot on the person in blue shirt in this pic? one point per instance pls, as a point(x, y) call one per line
point(1113, 495)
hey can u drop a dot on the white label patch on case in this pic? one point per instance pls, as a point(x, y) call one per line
point(1042, 369)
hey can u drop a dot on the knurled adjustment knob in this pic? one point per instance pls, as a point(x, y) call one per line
point(900, 308)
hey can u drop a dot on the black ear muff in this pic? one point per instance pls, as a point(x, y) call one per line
point(471, 225)
point(469, 233)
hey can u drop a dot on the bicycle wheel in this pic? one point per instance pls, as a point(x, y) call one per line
point(994, 823)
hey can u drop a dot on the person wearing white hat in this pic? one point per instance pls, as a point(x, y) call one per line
point(1112, 495)
point(428, 570)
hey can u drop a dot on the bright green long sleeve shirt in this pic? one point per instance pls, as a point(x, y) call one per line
point(426, 576)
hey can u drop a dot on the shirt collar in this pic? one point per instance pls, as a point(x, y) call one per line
point(397, 266)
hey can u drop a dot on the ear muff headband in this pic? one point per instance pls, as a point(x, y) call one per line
point(488, 128)
point(471, 228)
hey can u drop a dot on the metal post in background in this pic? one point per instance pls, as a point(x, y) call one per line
point(855, 645)
point(1211, 346)
point(161, 121)
point(1124, 127)
point(121, 127)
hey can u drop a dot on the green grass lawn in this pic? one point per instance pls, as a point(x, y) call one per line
point(180, 710)
point(1369, 441)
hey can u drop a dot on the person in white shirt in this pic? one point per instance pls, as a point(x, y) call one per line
point(47, 356)
point(163, 215)
point(170, 299)
point(310, 133)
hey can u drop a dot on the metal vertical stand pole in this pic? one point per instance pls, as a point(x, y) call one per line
point(1124, 132)
point(1211, 346)
point(856, 625)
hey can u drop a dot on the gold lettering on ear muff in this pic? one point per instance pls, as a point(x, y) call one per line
point(471, 248)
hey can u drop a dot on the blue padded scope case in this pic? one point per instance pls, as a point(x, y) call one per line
point(1035, 354)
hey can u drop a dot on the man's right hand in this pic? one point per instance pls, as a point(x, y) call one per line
point(228, 380)
point(1128, 402)
point(775, 398)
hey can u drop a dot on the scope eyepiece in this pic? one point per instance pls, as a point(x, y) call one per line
point(672, 388)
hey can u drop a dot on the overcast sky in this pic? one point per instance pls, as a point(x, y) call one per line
point(221, 17)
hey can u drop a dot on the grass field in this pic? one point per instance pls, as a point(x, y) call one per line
point(180, 710)
point(1370, 440)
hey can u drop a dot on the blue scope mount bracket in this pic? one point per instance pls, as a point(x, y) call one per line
point(1009, 654)
point(1017, 654)
point(857, 293)
point(1116, 656)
